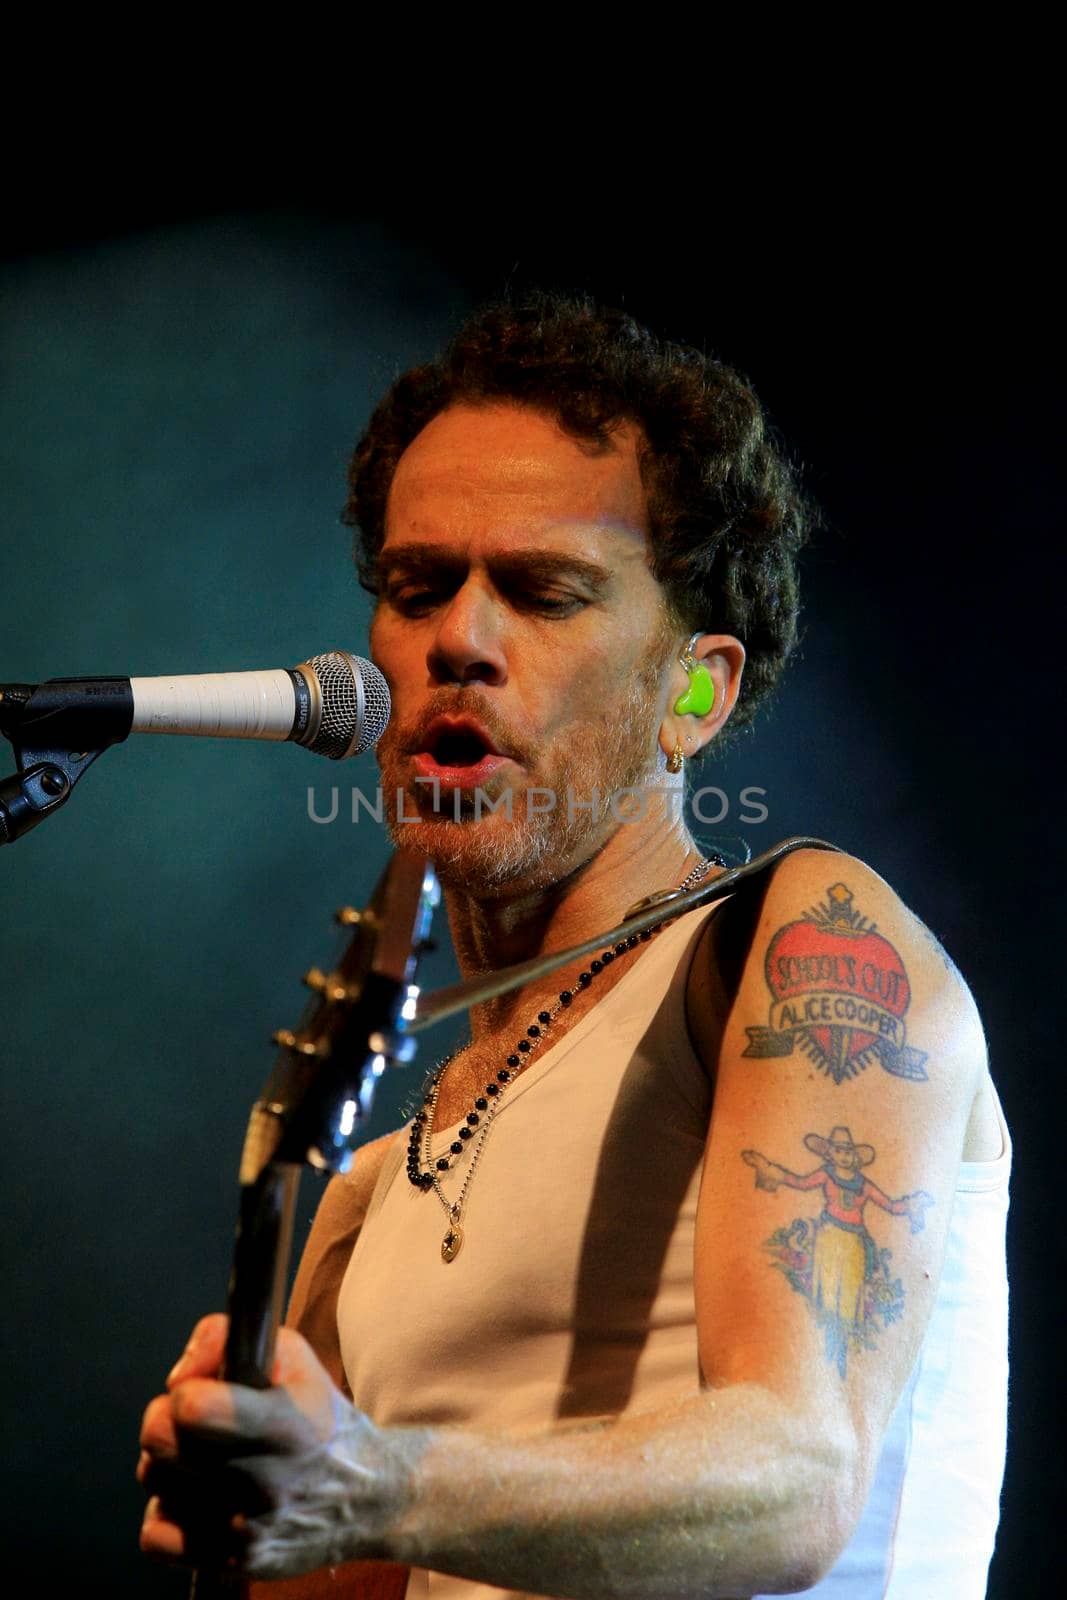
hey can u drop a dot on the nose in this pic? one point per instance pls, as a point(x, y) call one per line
point(467, 646)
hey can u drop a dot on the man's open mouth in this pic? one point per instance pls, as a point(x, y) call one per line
point(463, 749)
point(457, 753)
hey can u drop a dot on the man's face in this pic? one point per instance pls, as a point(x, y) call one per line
point(524, 640)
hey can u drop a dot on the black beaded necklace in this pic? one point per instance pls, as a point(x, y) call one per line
point(427, 1174)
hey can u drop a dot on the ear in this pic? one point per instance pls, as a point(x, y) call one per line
point(723, 658)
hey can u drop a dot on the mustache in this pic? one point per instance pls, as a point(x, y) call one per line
point(412, 736)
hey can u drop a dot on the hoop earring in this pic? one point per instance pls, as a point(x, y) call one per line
point(676, 759)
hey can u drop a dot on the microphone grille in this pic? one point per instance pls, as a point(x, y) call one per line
point(355, 704)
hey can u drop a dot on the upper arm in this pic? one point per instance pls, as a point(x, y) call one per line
point(848, 1021)
point(340, 1215)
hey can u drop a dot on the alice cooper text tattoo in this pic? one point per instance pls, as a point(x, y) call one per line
point(839, 991)
point(831, 1259)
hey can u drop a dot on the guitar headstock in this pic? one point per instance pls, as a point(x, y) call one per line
point(328, 1067)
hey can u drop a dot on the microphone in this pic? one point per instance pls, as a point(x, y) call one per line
point(335, 704)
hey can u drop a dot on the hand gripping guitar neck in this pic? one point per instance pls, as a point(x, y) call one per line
point(320, 1090)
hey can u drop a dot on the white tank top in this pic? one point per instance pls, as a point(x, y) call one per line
point(572, 1295)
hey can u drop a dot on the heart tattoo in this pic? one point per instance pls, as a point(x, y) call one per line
point(839, 991)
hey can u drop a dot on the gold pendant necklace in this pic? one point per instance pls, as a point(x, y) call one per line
point(452, 1242)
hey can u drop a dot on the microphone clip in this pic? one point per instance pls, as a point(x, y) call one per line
point(47, 741)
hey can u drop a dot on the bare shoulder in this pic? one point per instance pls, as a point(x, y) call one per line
point(856, 932)
point(368, 1161)
point(352, 1190)
point(340, 1215)
point(824, 939)
point(840, 957)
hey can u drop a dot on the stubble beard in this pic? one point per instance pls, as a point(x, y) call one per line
point(483, 855)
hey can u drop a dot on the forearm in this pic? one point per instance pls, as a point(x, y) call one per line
point(732, 1492)
point(724, 1495)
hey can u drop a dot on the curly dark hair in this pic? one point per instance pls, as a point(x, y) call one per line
point(726, 515)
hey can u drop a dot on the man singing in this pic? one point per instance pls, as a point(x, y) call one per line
point(582, 1328)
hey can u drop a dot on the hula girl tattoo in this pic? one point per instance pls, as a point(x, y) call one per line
point(832, 1260)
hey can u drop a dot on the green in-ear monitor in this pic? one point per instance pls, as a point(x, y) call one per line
point(699, 697)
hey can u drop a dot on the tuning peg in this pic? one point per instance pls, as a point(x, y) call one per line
point(349, 917)
point(316, 979)
point(289, 1041)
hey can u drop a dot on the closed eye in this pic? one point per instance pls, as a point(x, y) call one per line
point(415, 598)
point(417, 577)
point(411, 601)
point(556, 605)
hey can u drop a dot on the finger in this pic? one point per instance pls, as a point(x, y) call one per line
point(206, 1408)
point(296, 1366)
point(195, 1535)
point(202, 1356)
point(244, 1421)
point(302, 1394)
point(207, 1537)
point(160, 1537)
point(158, 1437)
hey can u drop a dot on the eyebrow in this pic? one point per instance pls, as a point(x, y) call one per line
point(539, 564)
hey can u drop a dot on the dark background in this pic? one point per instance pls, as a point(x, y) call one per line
point(184, 375)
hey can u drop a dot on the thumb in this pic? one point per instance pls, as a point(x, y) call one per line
point(298, 1370)
point(202, 1356)
point(295, 1362)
